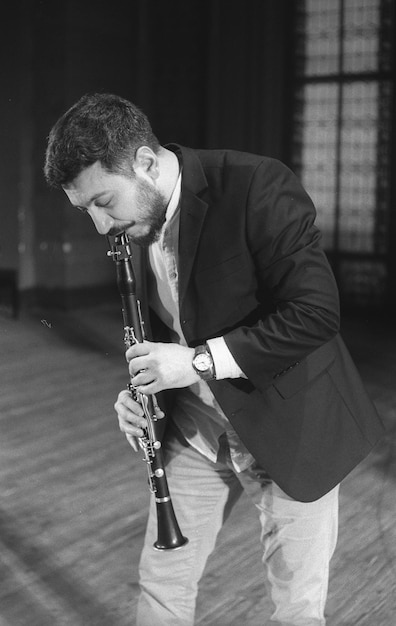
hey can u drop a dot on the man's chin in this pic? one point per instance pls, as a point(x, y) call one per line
point(144, 240)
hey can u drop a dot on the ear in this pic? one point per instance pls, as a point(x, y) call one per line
point(146, 162)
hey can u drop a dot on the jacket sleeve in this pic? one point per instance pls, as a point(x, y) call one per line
point(291, 266)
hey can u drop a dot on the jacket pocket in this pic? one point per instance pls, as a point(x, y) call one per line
point(305, 371)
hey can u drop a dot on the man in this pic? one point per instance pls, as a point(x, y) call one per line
point(244, 314)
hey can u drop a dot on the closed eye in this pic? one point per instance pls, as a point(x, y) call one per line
point(103, 205)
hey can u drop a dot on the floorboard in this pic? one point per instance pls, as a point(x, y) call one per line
point(74, 497)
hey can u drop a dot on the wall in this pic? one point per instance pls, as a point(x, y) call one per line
point(10, 143)
point(209, 73)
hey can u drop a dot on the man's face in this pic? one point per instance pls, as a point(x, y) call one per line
point(117, 203)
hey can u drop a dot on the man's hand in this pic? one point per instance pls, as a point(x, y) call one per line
point(131, 417)
point(154, 367)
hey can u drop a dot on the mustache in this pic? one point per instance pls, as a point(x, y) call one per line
point(117, 230)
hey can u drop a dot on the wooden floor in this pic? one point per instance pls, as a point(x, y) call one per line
point(74, 497)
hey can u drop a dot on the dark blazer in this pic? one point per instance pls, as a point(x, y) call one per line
point(251, 269)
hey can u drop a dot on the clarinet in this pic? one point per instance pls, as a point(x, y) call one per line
point(169, 536)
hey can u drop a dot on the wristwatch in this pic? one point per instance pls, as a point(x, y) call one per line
point(203, 363)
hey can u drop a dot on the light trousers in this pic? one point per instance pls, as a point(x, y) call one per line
point(297, 541)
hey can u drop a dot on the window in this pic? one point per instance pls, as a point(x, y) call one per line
point(342, 135)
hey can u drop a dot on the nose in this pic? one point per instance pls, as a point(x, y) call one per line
point(101, 220)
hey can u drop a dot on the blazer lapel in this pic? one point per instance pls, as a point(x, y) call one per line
point(192, 212)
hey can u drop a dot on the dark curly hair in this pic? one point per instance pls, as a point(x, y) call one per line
point(99, 127)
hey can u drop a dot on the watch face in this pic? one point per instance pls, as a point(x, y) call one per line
point(202, 362)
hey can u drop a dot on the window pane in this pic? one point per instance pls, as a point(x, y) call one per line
point(320, 25)
point(318, 132)
point(361, 35)
point(359, 162)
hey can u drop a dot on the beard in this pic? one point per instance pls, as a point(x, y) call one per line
point(152, 208)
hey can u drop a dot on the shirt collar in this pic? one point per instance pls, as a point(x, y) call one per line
point(174, 200)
